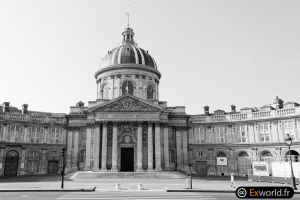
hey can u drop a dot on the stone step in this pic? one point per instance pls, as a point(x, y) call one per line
point(156, 175)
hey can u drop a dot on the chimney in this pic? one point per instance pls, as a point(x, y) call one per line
point(80, 104)
point(279, 103)
point(25, 109)
point(5, 107)
point(206, 110)
point(233, 108)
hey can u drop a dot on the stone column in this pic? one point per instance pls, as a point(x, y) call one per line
point(179, 148)
point(157, 148)
point(104, 148)
point(114, 167)
point(139, 148)
point(96, 148)
point(23, 163)
point(150, 148)
point(185, 149)
point(43, 169)
point(166, 148)
point(75, 150)
point(69, 150)
point(87, 165)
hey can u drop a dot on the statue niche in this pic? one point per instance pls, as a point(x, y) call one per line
point(127, 134)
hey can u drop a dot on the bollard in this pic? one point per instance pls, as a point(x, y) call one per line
point(187, 183)
point(140, 186)
point(117, 186)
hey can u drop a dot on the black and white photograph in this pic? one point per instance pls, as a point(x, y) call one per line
point(149, 99)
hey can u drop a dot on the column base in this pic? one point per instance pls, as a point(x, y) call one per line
point(114, 169)
point(103, 170)
point(139, 170)
point(158, 169)
point(96, 170)
point(150, 170)
point(87, 168)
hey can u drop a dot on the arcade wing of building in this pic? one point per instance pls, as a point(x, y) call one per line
point(127, 128)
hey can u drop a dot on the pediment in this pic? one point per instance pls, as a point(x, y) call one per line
point(127, 103)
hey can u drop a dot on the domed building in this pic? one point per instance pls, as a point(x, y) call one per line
point(128, 69)
point(127, 128)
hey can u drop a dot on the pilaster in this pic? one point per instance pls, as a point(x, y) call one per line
point(114, 167)
point(96, 148)
point(87, 165)
point(104, 148)
point(157, 148)
point(139, 148)
point(150, 148)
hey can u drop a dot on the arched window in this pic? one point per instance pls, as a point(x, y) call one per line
point(265, 156)
point(294, 155)
point(221, 154)
point(127, 88)
point(149, 92)
point(105, 91)
point(243, 155)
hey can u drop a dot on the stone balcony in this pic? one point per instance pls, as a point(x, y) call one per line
point(259, 115)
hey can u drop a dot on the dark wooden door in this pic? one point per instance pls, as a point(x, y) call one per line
point(127, 159)
point(53, 167)
point(201, 168)
point(11, 163)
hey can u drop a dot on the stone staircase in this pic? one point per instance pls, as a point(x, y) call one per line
point(128, 175)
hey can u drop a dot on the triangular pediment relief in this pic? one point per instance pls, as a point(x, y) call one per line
point(127, 103)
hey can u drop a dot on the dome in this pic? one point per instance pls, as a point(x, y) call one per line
point(128, 53)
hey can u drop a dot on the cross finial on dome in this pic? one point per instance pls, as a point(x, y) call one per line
point(128, 15)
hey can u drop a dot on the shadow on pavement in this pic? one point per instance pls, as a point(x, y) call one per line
point(33, 178)
point(219, 178)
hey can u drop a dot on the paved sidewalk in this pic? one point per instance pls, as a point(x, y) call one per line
point(126, 184)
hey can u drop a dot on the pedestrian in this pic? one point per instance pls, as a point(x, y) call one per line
point(232, 180)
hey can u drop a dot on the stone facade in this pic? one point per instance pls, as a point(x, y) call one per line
point(30, 142)
point(253, 134)
point(127, 128)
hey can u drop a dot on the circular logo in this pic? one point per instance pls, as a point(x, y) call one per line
point(241, 192)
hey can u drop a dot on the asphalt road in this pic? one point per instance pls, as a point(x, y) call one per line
point(112, 195)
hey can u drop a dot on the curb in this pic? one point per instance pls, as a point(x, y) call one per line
point(195, 190)
point(52, 190)
point(210, 191)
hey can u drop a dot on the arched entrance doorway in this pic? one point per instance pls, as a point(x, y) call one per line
point(11, 163)
point(294, 155)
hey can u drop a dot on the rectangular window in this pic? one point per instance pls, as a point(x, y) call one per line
point(264, 132)
point(209, 134)
point(35, 133)
point(288, 128)
point(241, 133)
point(220, 134)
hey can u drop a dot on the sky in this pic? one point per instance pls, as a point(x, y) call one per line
point(209, 52)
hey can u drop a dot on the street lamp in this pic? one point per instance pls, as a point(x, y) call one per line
point(289, 140)
point(190, 168)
